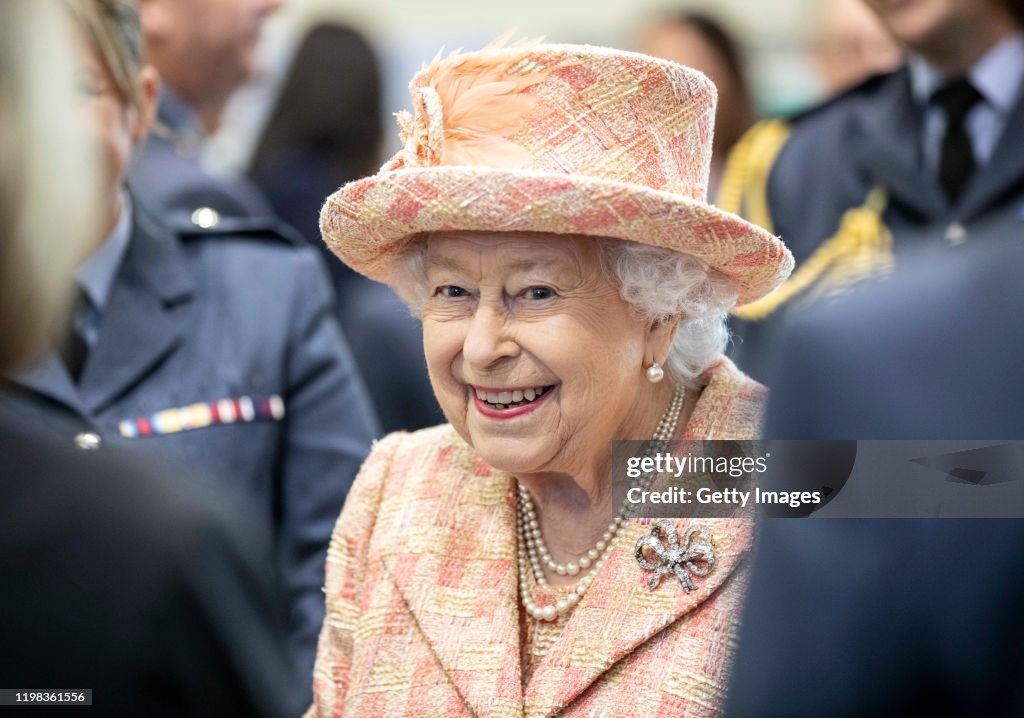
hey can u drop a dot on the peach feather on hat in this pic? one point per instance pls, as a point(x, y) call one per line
point(481, 103)
point(566, 139)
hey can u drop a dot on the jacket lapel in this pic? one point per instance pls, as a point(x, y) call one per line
point(49, 378)
point(455, 567)
point(886, 145)
point(1003, 173)
point(145, 318)
point(620, 613)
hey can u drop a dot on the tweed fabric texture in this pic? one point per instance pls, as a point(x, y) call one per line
point(612, 144)
point(423, 611)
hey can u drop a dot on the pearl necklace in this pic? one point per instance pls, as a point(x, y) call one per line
point(534, 554)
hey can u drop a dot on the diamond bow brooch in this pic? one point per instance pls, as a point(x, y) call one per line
point(695, 556)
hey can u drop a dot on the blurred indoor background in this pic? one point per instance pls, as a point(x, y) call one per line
point(779, 39)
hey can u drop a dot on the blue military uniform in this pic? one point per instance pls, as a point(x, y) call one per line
point(929, 352)
point(145, 586)
point(890, 617)
point(854, 186)
point(855, 617)
point(168, 174)
point(217, 348)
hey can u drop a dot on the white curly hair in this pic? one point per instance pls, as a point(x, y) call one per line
point(658, 284)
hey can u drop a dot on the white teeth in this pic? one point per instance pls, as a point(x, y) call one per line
point(508, 399)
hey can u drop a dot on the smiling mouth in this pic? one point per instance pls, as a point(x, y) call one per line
point(511, 398)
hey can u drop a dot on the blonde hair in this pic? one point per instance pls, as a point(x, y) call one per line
point(114, 29)
point(48, 198)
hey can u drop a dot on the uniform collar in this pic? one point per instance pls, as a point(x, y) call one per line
point(181, 120)
point(96, 274)
point(997, 75)
point(145, 320)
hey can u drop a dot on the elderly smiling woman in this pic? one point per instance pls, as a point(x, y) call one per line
point(546, 219)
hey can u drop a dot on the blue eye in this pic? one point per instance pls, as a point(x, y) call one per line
point(450, 291)
point(539, 293)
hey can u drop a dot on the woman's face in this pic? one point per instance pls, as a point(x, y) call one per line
point(535, 358)
point(116, 125)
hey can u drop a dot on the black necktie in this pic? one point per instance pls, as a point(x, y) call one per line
point(74, 349)
point(956, 162)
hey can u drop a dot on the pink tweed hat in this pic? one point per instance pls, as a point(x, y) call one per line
point(553, 138)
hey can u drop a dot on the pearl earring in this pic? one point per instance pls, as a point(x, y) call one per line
point(655, 373)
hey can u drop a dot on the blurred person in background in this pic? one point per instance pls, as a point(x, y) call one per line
point(867, 617)
point(214, 349)
point(883, 617)
point(204, 51)
point(153, 591)
point(896, 617)
point(325, 130)
point(704, 43)
point(853, 368)
point(850, 44)
point(925, 158)
point(547, 220)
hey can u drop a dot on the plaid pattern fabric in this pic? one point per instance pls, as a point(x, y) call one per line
point(423, 612)
point(617, 144)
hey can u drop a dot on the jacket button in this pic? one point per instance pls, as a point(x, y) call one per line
point(88, 441)
point(956, 234)
point(206, 218)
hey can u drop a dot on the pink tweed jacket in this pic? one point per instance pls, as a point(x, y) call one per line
point(423, 613)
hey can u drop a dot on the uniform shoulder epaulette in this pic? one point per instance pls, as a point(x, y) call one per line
point(743, 188)
point(861, 244)
point(207, 223)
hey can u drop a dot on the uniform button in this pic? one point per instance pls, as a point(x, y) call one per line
point(205, 218)
point(956, 234)
point(88, 441)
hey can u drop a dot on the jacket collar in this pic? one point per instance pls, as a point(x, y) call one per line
point(144, 321)
point(885, 146)
point(180, 121)
point(49, 378)
point(468, 529)
point(1004, 172)
point(142, 324)
point(96, 275)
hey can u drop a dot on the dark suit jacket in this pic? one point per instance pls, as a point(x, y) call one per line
point(932, 352)
point(869, 138)
point(891, 617)
point(883, 618)
point(150, 590)
point(206, 315)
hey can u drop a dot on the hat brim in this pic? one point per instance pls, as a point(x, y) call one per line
point(368, 223)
